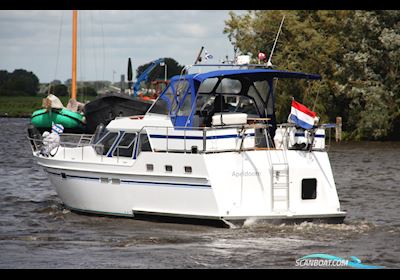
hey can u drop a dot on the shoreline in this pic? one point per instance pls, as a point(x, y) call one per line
point(24, 106)
point(2, 116)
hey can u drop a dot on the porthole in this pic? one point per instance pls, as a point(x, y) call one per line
point(149, 167)
point(168, 168)
point(188, 169)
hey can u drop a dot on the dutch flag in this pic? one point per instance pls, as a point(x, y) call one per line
point(302, 116)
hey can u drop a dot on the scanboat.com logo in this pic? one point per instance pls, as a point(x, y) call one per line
point(332, 261)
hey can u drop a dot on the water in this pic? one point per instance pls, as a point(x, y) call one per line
point(37, 232)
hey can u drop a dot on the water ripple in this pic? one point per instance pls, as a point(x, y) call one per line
point(36, 231)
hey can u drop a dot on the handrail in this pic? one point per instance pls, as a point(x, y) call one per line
point(85, 140)
point(259, 132)
point(288, 128)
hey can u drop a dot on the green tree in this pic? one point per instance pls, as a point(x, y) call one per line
point(356, 52)
point(158, 73)
point(4, 75)
point(18, 83)
point(59, 90)
point(370, 74)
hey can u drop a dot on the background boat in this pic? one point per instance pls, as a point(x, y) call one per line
point(84, 118)
point(43, 119)
point(105, 108)
point(54, 111)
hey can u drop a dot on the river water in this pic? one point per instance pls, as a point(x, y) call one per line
point(36, 231)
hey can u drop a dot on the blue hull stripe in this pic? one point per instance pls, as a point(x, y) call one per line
point(168, 184)
point(316, 135)
point(74, 177)
point(160, 136)
point(52, 173)
point(81, 177)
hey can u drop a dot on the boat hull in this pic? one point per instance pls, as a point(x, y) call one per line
point(106, 108)
point(211, 194)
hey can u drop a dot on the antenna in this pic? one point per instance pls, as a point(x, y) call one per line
point(269, 64)
point(198, 59)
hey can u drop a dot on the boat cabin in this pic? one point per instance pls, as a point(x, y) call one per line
point(206, 112)
point(192, 100)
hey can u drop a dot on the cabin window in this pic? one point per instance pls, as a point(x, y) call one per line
point(188, 169)
point(159, 107)
point(259, 102)
point(264, 90)
point(164, 103)
point(149, 167)
point(106, 143)
point(181, 87)
point(204, 101)
point(231, 86)
point(186, 106)
point(168, 168)
point(246, 105)
point(208, 85)
point(145, 143)
point(309, 188)
point(207, 105)
point(125, 146)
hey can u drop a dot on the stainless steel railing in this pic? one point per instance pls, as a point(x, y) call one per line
point(74, 141)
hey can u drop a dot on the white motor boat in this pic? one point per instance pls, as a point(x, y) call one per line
point(208, 149)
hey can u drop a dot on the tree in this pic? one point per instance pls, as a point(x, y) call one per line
point(370, 72)
point(4, 75)
point(56, 82)
point(59, 90)
point(356, 52)
point(20, 83)
point(158, 73)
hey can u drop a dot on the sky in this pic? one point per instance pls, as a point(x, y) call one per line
point(41, 41)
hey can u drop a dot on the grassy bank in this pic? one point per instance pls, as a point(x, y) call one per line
point(24, 106)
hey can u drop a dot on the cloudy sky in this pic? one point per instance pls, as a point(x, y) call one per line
point(40, 41)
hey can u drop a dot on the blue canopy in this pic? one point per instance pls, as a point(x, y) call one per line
point(246, 76)
point(252, 74)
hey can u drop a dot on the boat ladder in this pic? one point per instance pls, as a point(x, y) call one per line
point(280, 187)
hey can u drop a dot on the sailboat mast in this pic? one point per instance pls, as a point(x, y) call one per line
point(74, 51)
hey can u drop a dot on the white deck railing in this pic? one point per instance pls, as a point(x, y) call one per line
point(172, 140)
point(232, 138)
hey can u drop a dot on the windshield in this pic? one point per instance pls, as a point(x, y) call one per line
point(168, 101)
point(207, 105)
